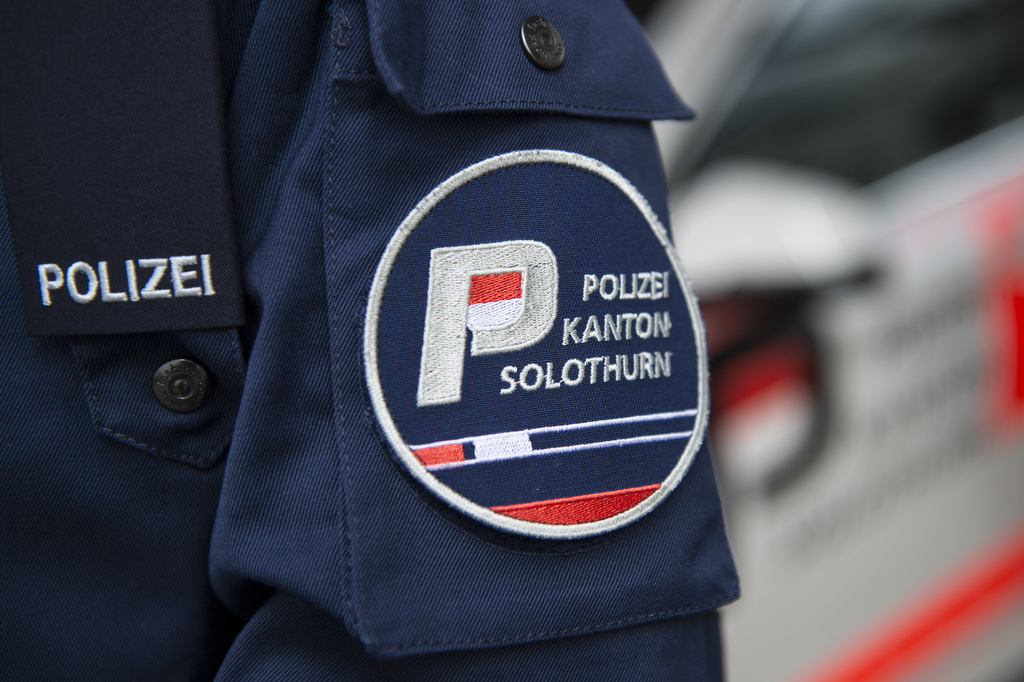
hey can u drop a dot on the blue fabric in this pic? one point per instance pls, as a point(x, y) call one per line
point(131, 534)
point(283, 633)
point(105, 535)
point(465, 56)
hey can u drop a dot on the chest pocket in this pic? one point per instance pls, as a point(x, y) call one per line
point(422, 94)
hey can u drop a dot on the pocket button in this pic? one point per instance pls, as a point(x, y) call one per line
point(542, 42)
point(181, 385)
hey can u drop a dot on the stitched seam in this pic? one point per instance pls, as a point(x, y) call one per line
point(346, 558)
point(97, 415)
point(568, 631)
point(340, 31)
point(340, 38)
point(152, 449)
point(236, 354)
point(373, 23)
point(356, 583)
point(538, 101)
point(97, 419)
point(90, 393)
point(376, 6)
point(371, 20)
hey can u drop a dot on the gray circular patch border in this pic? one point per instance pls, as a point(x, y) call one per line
point(409, 460)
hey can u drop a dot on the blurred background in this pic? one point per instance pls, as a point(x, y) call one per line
point(850, 207)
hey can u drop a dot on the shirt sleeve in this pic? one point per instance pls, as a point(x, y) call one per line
point(470, 442)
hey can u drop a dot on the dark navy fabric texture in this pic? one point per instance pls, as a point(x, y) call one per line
point(682, 649)
point(104, 547)
point(271, 535)
point(440, 56)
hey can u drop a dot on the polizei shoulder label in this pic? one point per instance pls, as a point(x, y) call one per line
point(533, 351)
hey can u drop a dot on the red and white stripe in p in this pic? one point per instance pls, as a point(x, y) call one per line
point(494, 300)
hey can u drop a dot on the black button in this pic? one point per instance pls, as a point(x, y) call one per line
point(542, 43)
point(181, 385)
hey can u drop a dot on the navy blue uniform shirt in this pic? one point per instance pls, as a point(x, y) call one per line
point(356, 500)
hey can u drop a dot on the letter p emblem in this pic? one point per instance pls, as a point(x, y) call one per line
point(505, 292)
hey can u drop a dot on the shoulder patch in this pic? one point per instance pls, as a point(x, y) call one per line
point(533, 351)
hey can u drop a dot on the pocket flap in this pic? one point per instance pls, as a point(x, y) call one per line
point(467, 55)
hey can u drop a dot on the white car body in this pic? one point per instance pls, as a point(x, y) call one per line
point(899, 554)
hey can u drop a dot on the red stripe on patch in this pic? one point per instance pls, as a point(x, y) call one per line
point(440, 454)
point(498, 287)
point(578, 509)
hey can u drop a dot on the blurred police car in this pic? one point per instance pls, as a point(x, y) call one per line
point(850, 207)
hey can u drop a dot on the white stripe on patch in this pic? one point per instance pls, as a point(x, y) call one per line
point(618, 442)
point(517, 444)
point(493, 314)
point(658, 416)
point(502, 445)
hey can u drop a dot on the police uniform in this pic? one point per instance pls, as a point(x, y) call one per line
point(368, 488)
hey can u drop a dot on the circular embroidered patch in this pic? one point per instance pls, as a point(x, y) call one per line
point(533, 351)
